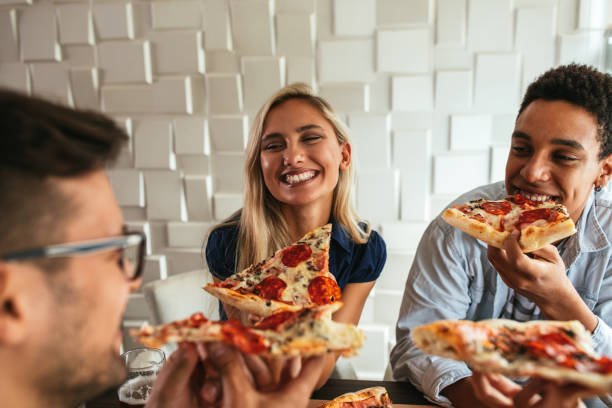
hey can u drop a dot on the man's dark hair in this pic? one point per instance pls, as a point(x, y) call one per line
point(41, 142)
point(580, 85)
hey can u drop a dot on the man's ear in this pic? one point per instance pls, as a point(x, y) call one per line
point(346, 155)
point(13, 327)
point(605, 172)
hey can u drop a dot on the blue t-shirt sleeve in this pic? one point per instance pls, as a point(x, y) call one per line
point(369, 259)
point(221, 252)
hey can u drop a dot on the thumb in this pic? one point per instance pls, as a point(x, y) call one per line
point(176, 373)
point(237, 390)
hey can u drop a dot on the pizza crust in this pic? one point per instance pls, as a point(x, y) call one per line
point(248, 302)
point(534, 237)
point(378, 394)
point(484, 232)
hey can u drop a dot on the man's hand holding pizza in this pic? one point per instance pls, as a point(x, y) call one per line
point(541, 277)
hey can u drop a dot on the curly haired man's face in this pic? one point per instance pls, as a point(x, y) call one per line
point(554, 154)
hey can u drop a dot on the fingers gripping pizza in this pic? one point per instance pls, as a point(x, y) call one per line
point(305, 332)
point(294, 277)
point(374, 397)
point(540, 222)
point(549, 349)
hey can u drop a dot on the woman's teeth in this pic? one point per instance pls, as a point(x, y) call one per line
point(296, 178)
point(535, 197)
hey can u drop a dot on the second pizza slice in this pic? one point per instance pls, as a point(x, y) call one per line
point(294, 277)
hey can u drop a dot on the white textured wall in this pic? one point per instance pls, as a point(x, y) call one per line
point(429, 88)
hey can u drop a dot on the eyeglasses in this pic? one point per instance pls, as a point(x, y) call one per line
point(131, 245)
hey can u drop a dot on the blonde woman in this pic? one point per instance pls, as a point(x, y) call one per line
point(298, 176)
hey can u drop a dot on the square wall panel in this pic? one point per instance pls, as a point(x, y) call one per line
point(402, 236)
point(224, 93)
point(253, 27)
point(499, 157)
point(193, 163)
point(395, 271)
point(301, 69)
point(263, 76)
point(354, 17)
point(295, 6)
point(412, 93)
point(113, 21)
point(371, 186)
point(502, 128)
point(474, 171)
point(404, 50)
point(9, 47)
point(582, 48)
point(85, 85)
point(412, 156)
point(295, 34)
point(75, 24)
point(16, 76)
point(164, 195)
point(371, 139)
point(567, 16)
point(451, 24)
point(346, 61)
point(490, 25)
point(225, 204)
point(198, 192)
point(229, 133)
point(191, 136)
point(402, 12)
point(222, 61)
point(227, 172)
point(536, 40)
point(454, 90)
point(187, 234)
point(217, 25)
point(347, 97)
point(177, 52)
point(50, 80)
point(470, 132)
point(79, 55)
point(128, 186)
point(497, 83)
point(153, 145)
point(453, 58)
point(593, 14)
point(176, 14)
point(125, 62)
point(38, 34)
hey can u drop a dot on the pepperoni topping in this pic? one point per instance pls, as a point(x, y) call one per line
point(324, 290)
point(196, 320)
point(479, 217)
point(464, 208)
point(369, 402)
point(319, 260)
point(242, 338)
point(226, 284)
point(497, 207)
point(539, 214)
point(605, 365)
point(295, 254)
point(270, 288)
point(273, 321)
point(520, 200)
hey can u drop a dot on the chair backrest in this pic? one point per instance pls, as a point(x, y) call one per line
point(179, 296)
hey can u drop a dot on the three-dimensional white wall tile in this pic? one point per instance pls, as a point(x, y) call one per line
point(387, 305)
point(453, 58)
point(184, 260)
point(15, 75)
point(176, 52)
point(567, 16)
point(592, 14)
point(217, 25)
point(354, 17)
point(38, 34)
point(164, 195)
point(220, 61)
point(227, 172)
point(128, 185)
point(502, 128)
point(497, 82)
point(113, 21)
point(458, 172)
point(75, 24)
point(404, 50)
point(439, 203)
point(347, 97)
point(412, 93)
point(263, 76)
point(224, 93)
point(295, 34)
point(295, 6)
point(194, 163)
point(451, 24)
point(198, 192)
point(85, 87)
point(79, 55)
point(154, 268)
point(301, 69)
point(490, 24)
point(371, 139)
point(402, 236)
point(470, 132)
point(136, 307)
point(153, 145)
point(499, 156)
point(373, 356)
point(176, 14)
point(225, 204)
point(402, 12)
point(50, 80)
point(412, 155)
point(253, 27)
point(454, 90)
point(371, 186)
point(9, 47)
point(583, 48)
point(125, 62)
point(143, 227)
point(229, 133)
point(346, 61)
point(395, 271)
point(191, 136)
point(535, 39)
point(187, 234)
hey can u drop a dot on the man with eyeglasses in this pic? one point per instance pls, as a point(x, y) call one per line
point(67, 266)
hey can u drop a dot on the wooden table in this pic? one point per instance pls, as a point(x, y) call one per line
point(403, 394)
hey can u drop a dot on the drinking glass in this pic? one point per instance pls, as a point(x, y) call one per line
point(143, 364)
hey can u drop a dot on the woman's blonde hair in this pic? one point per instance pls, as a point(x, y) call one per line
point(262, 228)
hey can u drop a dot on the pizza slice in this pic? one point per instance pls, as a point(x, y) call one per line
point(374, 397)
point(540, 222)
point(294, 277)
point(306, 332)
point(549, 349)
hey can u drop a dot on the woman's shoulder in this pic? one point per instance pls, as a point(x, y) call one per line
point(223, 236)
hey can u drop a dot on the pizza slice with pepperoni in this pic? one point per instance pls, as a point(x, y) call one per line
point(540, 222)
point(305, 332)
point(554, 350)
point(373, 397)
point(294, 277)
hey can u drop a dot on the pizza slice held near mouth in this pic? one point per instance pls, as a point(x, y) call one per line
point(374, 397)
point(295, 277)
point(540, 222)
point(554, 350)
point(305, 332)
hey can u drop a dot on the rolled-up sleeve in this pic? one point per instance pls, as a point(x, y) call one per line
point(437, 288)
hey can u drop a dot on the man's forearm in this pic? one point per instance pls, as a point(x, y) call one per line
point(461, 394)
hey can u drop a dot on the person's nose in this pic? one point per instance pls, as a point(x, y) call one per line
point(536, 169)
point(293, 155)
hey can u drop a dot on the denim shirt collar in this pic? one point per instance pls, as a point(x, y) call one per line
point(340, 236)
point(591, 236)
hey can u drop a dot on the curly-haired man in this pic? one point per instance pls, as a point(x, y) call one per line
point(561, 150)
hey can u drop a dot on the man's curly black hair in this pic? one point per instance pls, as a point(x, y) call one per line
point(580, 85)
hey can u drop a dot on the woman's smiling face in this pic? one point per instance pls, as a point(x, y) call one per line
point(300, 154)
point(555, 155)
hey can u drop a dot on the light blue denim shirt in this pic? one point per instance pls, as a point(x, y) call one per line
point(451, 278)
